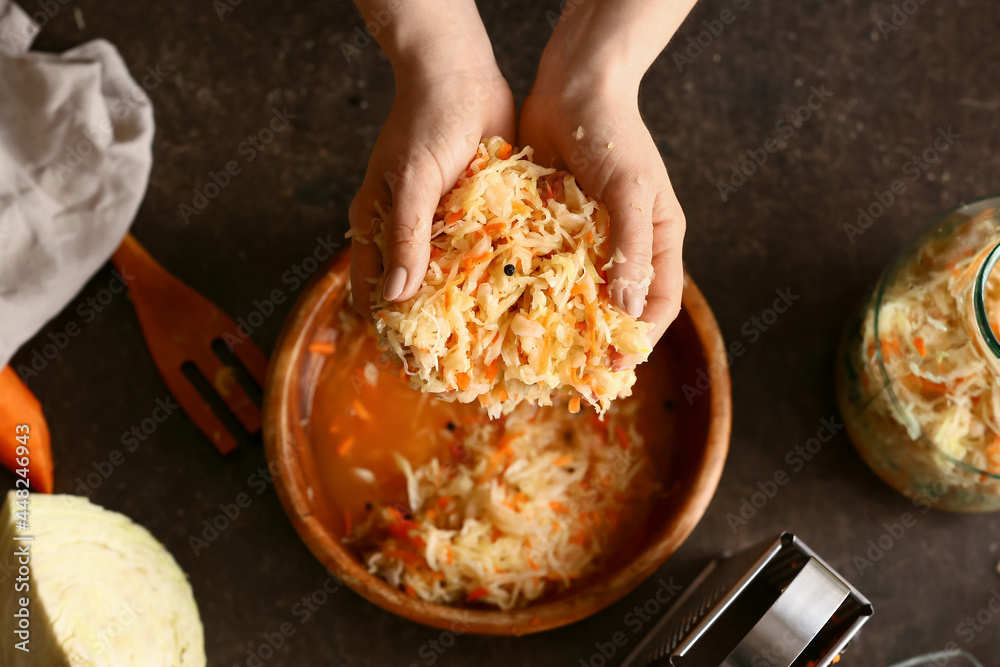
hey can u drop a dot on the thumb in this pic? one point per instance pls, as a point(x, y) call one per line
point(630, 207)
point(415, 195)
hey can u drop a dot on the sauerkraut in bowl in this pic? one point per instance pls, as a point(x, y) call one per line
point(515, 304)
point(496, 513)
point(919, 372)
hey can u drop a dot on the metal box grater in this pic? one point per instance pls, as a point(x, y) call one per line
point(776, 604)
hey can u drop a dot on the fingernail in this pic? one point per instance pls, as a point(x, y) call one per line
point(634, 300)
point(394, 283)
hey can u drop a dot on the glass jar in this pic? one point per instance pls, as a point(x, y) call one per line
point(918, 368)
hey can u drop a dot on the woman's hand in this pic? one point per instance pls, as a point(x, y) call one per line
point(582, 114)
point(598, 135)
point(449, 95)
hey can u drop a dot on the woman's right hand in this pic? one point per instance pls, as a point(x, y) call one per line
point(449, 95)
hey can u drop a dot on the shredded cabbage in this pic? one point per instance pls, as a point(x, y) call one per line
point(530, 504)
point(946, 384)
point(515, 304)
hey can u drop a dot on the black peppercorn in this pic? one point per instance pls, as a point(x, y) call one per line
point(451, 426)
point(508, 270)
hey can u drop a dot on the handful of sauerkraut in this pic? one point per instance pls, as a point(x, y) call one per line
point(515, 304)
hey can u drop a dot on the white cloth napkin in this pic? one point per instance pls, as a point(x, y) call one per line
point(76, 135)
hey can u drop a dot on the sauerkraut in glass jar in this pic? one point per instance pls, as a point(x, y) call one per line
point(918, 371)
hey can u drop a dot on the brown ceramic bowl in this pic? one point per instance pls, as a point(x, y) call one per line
point(691, 354)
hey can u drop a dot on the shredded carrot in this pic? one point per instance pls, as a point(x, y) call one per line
point(410, 590)
point(574, 404)
point(478, 259)
point(505, 151)
point(558, 507)
point(579, 538)
point(476, 594)
point(360, 410)
point(533, 564)
point(462, 380)
point(455, 216)
point(345, 445)
point(563, 460)
point(444, 501)
point(495, 227)
point(921, 347)
point(321, 347)
point(922, 384)
point(491, 371)
point(448, 556)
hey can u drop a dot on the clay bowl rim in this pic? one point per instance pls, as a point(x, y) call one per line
point(291, 484)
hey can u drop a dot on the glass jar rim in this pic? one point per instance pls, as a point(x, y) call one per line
point(979, 305)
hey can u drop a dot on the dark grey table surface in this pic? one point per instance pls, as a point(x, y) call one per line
point(890, 93)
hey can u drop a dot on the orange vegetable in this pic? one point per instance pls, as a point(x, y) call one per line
point(360, 410)
point(558, 507)
point(923, 385)
point(921, 347)
point(463, 380)
point(495, 227)
point(574, 404)
point(345, 445)
point(491, 371)
point(563, 460)
point(18, 409)
point(321, 347)
point(478, 259)
point(506, 150)
point(476, 594)
point(455, 216)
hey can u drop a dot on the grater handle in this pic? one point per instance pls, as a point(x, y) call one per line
point(795, 618)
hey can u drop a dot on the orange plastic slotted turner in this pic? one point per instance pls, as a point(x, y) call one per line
point(180, 326)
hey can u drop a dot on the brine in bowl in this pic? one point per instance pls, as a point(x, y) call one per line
point(342, 428)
